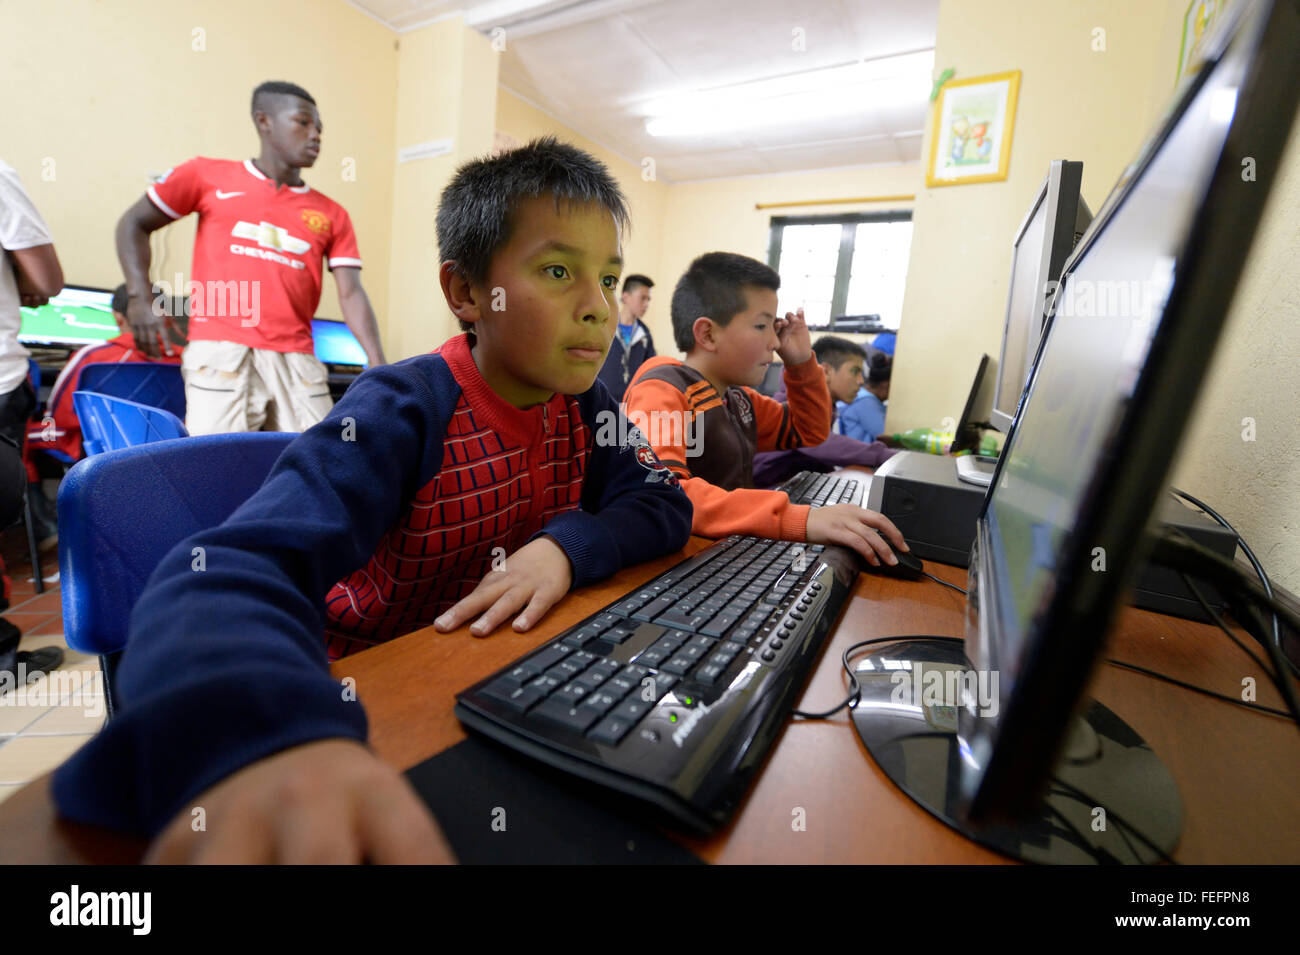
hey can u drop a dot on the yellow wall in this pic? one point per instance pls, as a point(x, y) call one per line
point(646, 199)
point(1074, 103)
point(114, 91)
point(719, 215)
point(446, 89)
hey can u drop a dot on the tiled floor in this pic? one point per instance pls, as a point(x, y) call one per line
point(43, 723)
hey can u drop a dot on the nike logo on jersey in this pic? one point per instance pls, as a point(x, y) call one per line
point(227, 195)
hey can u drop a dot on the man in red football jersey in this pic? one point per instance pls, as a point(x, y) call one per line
point(262, 241)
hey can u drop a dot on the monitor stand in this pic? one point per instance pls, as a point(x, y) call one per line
point(910, 728)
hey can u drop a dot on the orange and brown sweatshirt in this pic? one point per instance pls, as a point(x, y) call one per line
point(709, 440)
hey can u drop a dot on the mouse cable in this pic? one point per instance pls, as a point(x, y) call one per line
point(1199, 689)
point(1280, 678)
point(1175, 550)
point(1218, 621)
point(1250, 555)
point(856, 694)
point(1087, 800)
point(944, 582)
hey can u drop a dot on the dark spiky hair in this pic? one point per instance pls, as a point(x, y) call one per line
point(714, 286)
point(635, 281)
point(476, 211)
point(277, 88)
point(834, 351)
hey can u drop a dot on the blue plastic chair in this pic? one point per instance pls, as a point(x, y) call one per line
point(120, 513)
point(109, 424)
point(159, 386)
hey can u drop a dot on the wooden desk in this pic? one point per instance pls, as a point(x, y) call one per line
point(1238, 771)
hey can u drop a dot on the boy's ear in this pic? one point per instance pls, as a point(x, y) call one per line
point(705, 333)
point(458, 292)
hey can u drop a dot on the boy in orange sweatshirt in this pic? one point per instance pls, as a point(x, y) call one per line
point(705, 421)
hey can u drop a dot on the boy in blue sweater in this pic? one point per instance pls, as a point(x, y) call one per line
point(389, 515)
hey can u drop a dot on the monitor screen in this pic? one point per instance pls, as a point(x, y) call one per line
point(335, 344)
point(79, 315)
point(1140, 305)
point(976, 414)
point(1055, 221)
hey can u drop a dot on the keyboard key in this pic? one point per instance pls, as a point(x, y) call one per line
point(679, 665)
point(518, 676)
point(663, 683)
point(518, 698)
point(606, 668)
point(545, 683)
point(673, 639)
point(561, 713)
point(572, 692)
point(704, 643)
point(635, 673)
point(616, 634)
point(654, 608)
point(684, 621)
point(709, 673)
point(547, 658)
point(653, 656)
point(599, 702)
point(720, 624)
point(611, 730)
point(591, 679)
point(768, 656)
point(619, 685)
point(633, 708)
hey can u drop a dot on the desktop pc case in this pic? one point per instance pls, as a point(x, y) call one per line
point(937, 514)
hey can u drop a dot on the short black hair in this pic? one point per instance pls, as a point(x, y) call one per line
point(476, 211)
point(634, 281)
point(276, 88)
point(119, 299)
point(714, 285)
point(880, 366)
point(836, 351)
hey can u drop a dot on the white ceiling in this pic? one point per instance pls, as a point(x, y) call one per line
point(595, 65)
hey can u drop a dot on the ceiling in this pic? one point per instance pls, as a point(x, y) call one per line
point(603, 67)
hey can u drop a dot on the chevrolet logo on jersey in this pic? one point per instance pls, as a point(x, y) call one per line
point(270, 236)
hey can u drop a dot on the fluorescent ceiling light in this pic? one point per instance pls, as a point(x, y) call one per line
point(794, 99)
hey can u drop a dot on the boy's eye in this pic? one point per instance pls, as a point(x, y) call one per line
point(557, 271)
point(611, 282)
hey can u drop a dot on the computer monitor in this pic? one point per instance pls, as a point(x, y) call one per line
point(78, 315)
point(335, 344)
point(975, 415)
point(1056, 220)
point(1141, 304)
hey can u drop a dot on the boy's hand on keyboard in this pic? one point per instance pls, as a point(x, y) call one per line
point(533, 578)
point(857, 527)
point(331, 801)
point(794, 341)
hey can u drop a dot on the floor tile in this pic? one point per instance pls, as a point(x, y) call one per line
point(24, 758)
point(87, 716)
point(17, 716)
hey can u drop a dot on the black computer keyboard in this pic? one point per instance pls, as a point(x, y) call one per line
point(675, 692)
point(810, 487)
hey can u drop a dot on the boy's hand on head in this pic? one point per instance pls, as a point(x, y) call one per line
point(859, 528)
point(331, 801)
point(795, 341)
point(533, 578)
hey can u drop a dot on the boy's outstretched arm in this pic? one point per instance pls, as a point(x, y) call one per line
point(805, 419)
point(226, 663)
point(633, 510)
point(718, 512)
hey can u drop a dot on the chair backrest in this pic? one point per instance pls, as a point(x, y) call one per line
point(108, 423)
point(122, 511)
point(159, 386)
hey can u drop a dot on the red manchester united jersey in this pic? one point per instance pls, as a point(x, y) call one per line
point(258, 254)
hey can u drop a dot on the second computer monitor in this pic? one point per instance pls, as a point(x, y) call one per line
point(1056, 220)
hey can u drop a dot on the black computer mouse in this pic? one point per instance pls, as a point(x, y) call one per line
point(909, 566)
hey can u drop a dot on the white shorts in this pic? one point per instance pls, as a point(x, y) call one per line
point(230, 387)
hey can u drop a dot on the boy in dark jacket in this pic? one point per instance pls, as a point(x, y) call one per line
point(392, 513)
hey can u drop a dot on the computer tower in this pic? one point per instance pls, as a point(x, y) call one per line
point(936, 514)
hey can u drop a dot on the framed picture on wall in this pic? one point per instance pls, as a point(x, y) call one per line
point(970, 132)
point(1197, 21)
